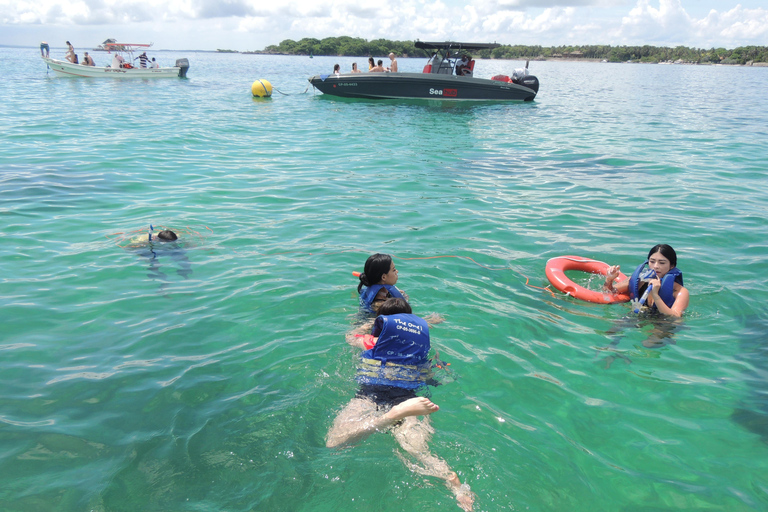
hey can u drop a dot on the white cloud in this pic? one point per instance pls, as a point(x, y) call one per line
point(670, 24)
point(249, 24)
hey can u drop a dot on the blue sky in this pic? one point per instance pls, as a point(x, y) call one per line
point(252, 25)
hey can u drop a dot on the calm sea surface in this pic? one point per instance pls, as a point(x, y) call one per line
point(204, 376)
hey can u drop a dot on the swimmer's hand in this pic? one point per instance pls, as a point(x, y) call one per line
point(611, 275)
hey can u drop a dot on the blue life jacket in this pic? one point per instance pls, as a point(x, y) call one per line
point(399, 358)
point(667, 284)
point(369, 293)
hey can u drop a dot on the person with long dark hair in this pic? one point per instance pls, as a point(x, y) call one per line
point(667, 294)
point(377, 282)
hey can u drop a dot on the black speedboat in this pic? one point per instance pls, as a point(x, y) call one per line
point(444, 77)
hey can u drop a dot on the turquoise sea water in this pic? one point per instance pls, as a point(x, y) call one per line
point(204, 377)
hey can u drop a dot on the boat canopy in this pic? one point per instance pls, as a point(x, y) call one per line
point(125, 46)
point(453, 45)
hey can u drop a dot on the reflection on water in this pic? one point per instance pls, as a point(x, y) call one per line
point(752, 412)
point(659, 331)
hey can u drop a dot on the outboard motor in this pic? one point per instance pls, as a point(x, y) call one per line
point(183, 65)
point(520, 76)
point(530, 82)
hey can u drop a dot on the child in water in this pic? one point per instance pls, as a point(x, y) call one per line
point(377, 282)
point(392, 368)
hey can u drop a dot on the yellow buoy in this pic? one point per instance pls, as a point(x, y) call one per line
point(261, 88)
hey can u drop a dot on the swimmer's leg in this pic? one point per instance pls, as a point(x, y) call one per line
point(359, 419)
point(414, 435)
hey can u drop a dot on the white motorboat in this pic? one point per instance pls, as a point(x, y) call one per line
point(121, 66)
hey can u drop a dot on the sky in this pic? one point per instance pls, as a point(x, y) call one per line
point(247, 25)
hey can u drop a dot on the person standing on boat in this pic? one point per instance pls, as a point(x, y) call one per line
point(393, 63)
point(88, 60)
point(70, 56)
point(379, 68)
point(143, 59)
point(45, 50)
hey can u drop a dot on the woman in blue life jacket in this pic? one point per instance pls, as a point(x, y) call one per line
point(377, 282)
point(393, 366)
point(667, 294)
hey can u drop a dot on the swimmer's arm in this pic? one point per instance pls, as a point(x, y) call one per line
point(610, 284)
point(679, 306)
point(355, 336)
point(361, 341)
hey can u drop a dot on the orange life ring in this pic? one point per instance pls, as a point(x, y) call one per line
point(556, 268)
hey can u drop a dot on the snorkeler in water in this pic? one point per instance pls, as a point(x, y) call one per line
point(655, 289)
point(165, 243)
point(666, 294)
point(393, 366)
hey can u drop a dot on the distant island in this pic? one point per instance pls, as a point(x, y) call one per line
point(345, 46)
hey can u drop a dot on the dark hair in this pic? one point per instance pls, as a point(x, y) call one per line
point(336, 67)
point(380, 62)
point(370, 59)
point(167, 235)
point(393, 306)
point(666, 251)
point(375, 267)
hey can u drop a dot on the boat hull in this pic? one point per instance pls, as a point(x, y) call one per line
point(419, 86)
point(66, 68)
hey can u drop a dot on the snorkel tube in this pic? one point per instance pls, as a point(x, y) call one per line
point(151, 229)
point(646, 275)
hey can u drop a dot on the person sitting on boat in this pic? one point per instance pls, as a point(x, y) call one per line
point(379, 68)
point(393, 366)
point(667, 293)
point(371, 63)
point(143, 59)
point(88, 60)
point(154, 64)
point(393, 63)
point(45, 50)
point(117, 61)
point(70, 56)
point(354, 68)
point(336, 69)
point(462, 66)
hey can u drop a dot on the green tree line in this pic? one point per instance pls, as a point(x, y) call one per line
point(358, 47)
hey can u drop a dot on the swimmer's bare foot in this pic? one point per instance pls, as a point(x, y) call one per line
point(419, 406)
point(465, 498)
